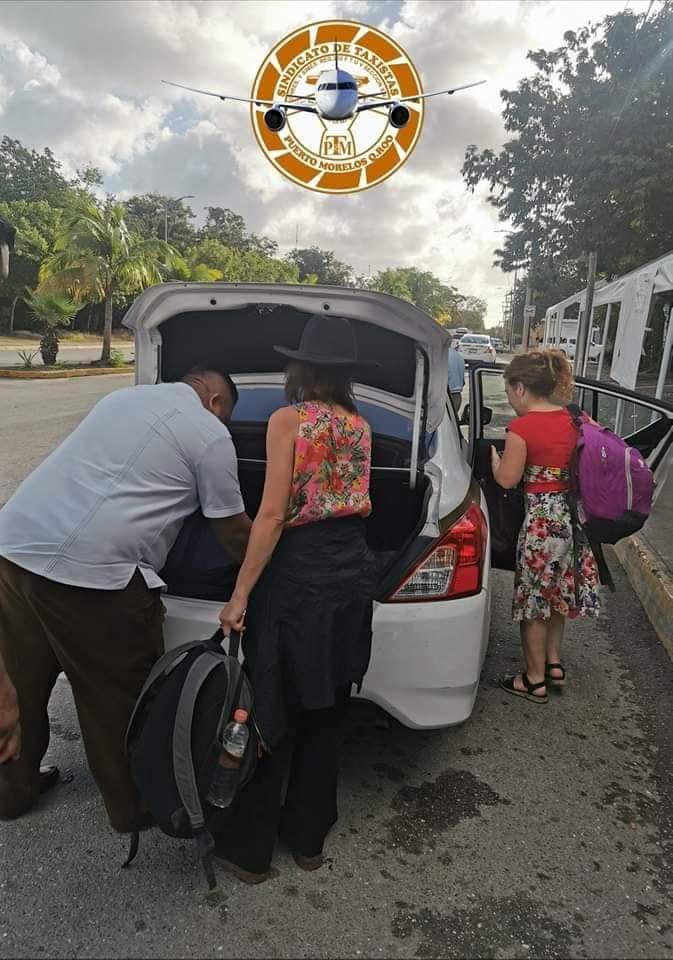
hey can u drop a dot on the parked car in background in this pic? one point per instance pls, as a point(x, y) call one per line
point(477, 345)
point(498, 345)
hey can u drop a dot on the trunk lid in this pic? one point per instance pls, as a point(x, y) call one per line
point(179, 325)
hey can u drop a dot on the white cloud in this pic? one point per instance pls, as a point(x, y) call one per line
point(84, 79)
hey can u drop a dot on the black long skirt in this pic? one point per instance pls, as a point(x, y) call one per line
point(309, 622)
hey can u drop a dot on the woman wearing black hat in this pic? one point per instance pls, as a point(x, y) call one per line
point(308, 620)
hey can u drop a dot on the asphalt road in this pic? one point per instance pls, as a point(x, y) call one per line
point(36, 414)
point(531, 831)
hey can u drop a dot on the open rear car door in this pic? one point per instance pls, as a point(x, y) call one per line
point(644, 422)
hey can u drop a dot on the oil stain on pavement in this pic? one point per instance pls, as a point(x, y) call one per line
point(426, 811)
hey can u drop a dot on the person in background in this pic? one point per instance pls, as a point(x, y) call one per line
point(556, 572)
point(309, 614)
point(82, 542)
point(456, 376)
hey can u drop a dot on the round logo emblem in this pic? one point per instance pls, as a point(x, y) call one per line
point(331, 120)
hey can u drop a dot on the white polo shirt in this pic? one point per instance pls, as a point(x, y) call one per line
point(113, 496)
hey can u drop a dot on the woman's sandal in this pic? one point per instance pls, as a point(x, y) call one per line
point(555, 681)
point(507, 684)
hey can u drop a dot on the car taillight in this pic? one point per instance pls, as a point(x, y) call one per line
point(453, 567)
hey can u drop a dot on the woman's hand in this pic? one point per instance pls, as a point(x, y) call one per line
point(10, 729)
point(232, 615)
point(508, 469)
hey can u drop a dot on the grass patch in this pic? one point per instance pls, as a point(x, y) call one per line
point(62, 370)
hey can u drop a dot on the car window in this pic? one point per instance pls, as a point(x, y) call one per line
point(256, 404)
point(475, 339)
point(621, 415)
point(492, 389)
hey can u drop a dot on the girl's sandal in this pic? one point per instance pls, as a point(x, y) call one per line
point(555, 681)
point(507, 684)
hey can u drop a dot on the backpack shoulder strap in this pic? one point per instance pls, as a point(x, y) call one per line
point(164, 664)
point(183, 762)
point(576, 413)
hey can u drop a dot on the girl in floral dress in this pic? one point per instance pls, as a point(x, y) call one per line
point(556, 573)
point(305, 592)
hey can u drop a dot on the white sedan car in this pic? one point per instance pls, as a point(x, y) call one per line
point(429, 528)
point(477, 345)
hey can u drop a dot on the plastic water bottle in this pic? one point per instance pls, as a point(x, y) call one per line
point(235, 738)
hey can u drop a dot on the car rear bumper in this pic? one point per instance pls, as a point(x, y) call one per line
point(426, 657)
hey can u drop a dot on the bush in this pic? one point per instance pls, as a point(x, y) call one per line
point(26, 357)
point(116, 359)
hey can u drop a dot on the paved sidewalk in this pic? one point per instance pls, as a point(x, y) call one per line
point(648, 561)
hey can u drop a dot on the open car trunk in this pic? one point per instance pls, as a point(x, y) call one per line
point(199, 568)
point(235, 327)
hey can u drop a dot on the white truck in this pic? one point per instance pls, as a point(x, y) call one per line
point(567, 339)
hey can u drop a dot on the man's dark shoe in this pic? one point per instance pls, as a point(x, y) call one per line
point(245, 876)
point(49, 777)
point(308, 863)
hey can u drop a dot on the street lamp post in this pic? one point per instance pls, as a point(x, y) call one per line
point(186, 196)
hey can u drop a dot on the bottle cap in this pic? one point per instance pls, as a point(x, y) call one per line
point(241, 716)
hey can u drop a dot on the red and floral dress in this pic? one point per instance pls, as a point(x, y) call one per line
point(556, 571)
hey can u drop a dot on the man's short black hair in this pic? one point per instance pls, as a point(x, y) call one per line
point(201, 371)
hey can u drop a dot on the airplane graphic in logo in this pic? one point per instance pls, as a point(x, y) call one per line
point(336, 98)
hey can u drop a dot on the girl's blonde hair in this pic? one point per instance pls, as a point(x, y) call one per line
point(546, 373)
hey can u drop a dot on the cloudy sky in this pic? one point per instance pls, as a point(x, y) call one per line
point(83, 78)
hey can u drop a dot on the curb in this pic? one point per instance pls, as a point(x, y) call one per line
point(62, 374)
point(64, 345)
point(652, 583)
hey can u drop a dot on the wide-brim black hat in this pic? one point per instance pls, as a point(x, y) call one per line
point(327, 342)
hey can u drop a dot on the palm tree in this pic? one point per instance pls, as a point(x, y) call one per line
point(97, 257)
point(52, 311)
point(190, 268)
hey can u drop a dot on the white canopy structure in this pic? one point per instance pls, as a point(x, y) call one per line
point(633, 293)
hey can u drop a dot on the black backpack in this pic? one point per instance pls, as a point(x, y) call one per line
point(173, 739)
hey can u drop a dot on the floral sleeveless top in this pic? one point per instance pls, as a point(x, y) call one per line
point(332, 464)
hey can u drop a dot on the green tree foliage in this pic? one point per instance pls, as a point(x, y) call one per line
point(212, 260)
point(589, 159)
point(470, 312)
point(146, 215)
point(230, 229)
point(313, 262)
point(29, 175)
point(97, 257)
point(36, 225)
point(422, 288)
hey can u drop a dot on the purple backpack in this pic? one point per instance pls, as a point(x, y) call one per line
point(613, 483)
